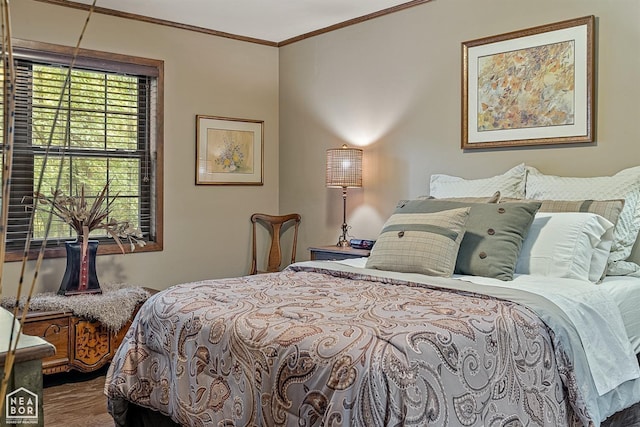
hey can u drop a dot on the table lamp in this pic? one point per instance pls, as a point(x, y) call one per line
point(344, 169)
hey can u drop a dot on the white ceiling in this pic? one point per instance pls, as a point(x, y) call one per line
point(269, 20)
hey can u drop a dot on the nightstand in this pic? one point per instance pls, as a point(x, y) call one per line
point(336, 253)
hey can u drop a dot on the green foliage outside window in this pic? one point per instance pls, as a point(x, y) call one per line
point(93, 132)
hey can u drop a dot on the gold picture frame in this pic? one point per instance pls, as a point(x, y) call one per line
point(229, 151)
point(529, 87)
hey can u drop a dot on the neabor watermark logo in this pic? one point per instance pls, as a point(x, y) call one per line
point(22, 407)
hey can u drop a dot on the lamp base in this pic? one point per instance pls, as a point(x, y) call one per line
point(343, 243)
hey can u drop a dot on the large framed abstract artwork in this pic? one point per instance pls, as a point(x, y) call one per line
point(229, 151)
point(529, 87)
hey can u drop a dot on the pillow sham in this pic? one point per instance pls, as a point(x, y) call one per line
point(495, 198)
point(609, 209)
point(493, 237)
point(573, 245)
point(509, 184)
point(623, 185)
point(426, 243)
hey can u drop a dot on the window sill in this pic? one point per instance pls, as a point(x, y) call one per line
point(103, 249)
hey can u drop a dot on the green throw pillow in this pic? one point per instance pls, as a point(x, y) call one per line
point(493, 237)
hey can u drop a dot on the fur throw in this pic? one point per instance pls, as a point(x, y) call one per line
point(113, 308)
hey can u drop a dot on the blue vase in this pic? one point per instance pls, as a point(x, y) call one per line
point(80, 274)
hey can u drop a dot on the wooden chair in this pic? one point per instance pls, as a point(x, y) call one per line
point(275, 225)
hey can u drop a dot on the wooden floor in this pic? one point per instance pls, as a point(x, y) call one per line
point(76, 400)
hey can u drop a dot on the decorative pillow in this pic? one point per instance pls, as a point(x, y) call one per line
point(623, 185)
point(494, 235)
point(572, 245)
point(509, 184)
point(635, 252)
point(491, 199)
point(609, 209)
point(420, 243)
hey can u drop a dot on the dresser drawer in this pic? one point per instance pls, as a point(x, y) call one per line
point(336, 253)
point(91, 343)
point(332, 256)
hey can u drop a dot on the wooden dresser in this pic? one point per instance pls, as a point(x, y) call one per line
point(81, 344)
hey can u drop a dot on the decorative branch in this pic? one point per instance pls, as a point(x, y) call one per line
point(9, 98)
point(75, 211)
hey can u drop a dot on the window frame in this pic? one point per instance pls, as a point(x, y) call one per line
point(119, 63)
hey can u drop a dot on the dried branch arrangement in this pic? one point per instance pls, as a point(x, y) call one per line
point(85, 218)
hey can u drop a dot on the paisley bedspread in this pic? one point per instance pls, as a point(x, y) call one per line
point(308, 348)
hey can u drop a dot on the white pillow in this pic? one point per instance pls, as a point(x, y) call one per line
point(509, 184)
point(573, 245)
point(623, 185)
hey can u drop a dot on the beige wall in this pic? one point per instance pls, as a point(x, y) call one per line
point(392, 86)
point(206, 228)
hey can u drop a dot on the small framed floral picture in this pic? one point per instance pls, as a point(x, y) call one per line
point(229, 151)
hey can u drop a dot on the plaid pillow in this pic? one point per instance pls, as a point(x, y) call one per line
point(609, 209)
point(426, 243)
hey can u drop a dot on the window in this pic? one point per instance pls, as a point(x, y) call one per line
point(103, 126)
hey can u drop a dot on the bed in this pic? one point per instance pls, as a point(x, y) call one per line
point(442, 327)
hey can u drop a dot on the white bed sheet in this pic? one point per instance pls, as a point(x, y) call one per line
point(625, 291)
